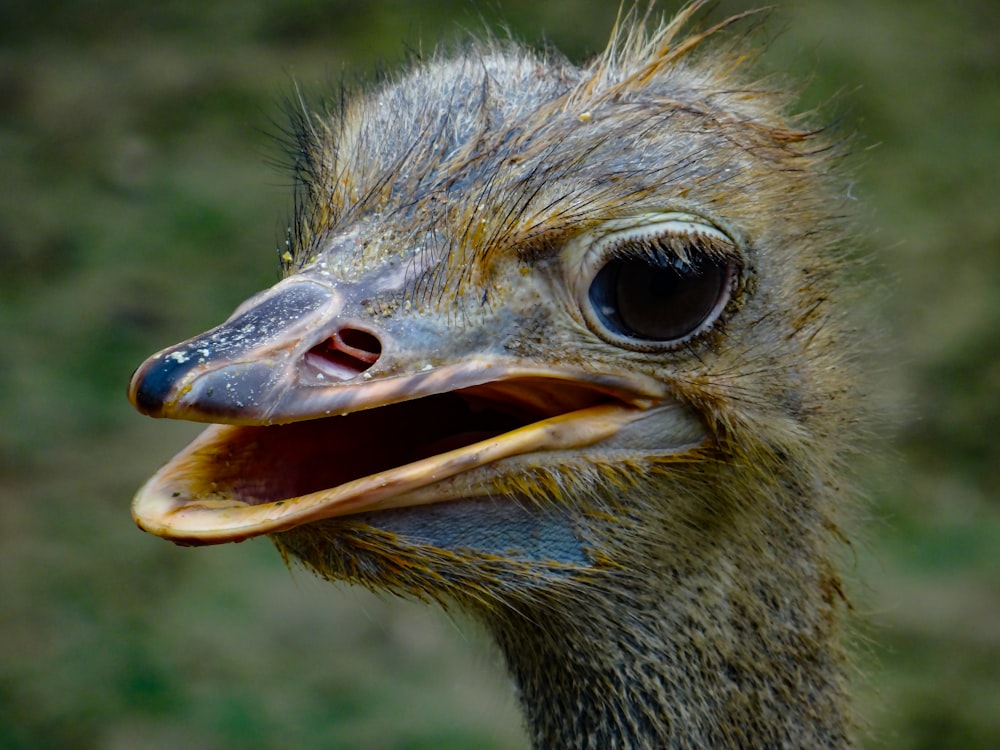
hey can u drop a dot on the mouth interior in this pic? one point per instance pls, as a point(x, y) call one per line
point(260, 465)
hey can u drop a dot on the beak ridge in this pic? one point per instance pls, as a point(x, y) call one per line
point(227, 373)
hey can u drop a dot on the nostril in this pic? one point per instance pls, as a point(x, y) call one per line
point(348, 352)
point(360, 344)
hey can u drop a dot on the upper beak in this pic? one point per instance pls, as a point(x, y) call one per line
point(308, 349)
point(258, 367)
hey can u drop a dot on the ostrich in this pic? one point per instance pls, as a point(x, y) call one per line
point(562, 347)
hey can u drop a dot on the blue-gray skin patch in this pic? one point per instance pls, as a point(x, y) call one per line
point(492, 526)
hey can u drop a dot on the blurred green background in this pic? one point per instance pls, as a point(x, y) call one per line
point(140, 203)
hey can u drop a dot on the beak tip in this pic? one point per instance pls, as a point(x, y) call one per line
point(153, 384)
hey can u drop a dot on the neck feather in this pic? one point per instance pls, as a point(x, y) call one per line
point(738, 651)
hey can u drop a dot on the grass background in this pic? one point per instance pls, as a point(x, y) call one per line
point(139, 204)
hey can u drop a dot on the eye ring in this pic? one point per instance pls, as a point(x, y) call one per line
point(656, 285)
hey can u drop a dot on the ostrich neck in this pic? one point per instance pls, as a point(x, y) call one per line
point(721, 657)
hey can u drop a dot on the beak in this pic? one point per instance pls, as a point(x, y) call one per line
point(323, 408)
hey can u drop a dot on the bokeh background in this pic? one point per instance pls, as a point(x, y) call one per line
point(140, 201)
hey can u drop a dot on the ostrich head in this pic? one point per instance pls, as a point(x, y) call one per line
point(563, 347)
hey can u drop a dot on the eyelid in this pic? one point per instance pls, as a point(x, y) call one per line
point(670, 250)
point(593, 248)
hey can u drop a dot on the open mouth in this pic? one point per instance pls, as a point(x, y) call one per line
point(280, 462)
point(235, 481)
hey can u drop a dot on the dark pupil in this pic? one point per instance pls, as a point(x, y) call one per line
point(642, 299)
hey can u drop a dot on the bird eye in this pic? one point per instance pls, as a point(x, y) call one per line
point(641, 299)
point(653, 295)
